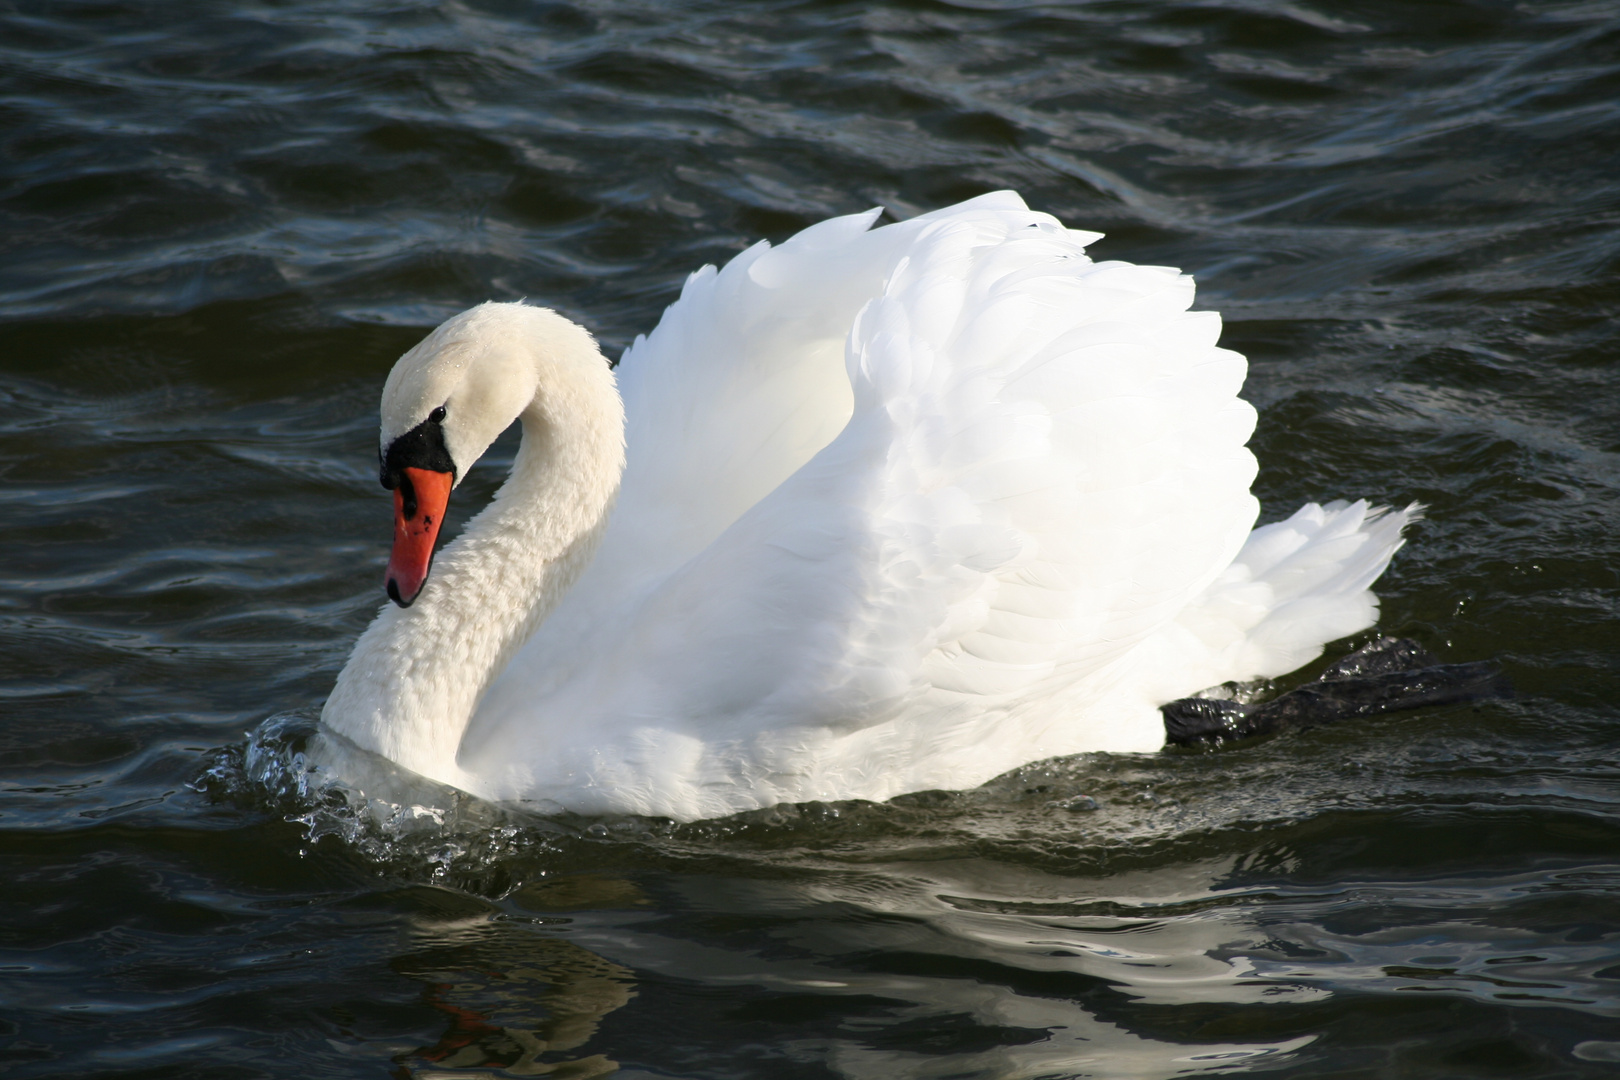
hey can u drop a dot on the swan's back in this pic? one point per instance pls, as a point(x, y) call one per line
point(900, 507)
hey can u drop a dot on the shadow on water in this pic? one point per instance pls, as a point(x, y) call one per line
point(222, 222)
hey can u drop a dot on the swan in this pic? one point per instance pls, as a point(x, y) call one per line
point(873, 511)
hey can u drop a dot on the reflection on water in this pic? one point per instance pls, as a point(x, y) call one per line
point(999, 993)
point(923, 989)
point(970, 967)
point(517, 1005)
point(920, 939)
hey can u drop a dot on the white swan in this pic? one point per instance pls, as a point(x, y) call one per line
point(882, 510)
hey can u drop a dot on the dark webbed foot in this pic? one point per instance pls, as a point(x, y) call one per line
point(1385, 676)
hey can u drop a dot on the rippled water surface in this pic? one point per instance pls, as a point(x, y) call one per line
point(222, 221)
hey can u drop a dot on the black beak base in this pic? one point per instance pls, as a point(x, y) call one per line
point(422, 447)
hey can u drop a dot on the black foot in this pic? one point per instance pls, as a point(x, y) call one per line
point(1386, 676)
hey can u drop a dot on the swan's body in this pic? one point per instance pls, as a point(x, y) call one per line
point(900, 509)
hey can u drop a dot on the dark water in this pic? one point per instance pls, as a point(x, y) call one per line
point(222, 221)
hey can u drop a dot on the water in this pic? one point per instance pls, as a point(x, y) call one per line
point(223, 221)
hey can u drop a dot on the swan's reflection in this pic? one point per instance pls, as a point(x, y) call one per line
point(968, 968)
point(1000, 950)
point(928, 971)
point(532, 1014)
point(973, 967)
point(521, 1002)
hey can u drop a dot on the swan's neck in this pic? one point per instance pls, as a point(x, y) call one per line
point(416, 675)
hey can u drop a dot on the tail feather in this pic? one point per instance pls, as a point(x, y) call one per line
point(1295, 586)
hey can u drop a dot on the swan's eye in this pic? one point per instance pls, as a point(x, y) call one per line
point(437, 415)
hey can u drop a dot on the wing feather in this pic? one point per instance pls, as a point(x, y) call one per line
point(886, 489)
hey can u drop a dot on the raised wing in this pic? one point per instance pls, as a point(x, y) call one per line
point(1039, 461)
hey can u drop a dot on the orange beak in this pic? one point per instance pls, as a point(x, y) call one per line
point(419, 502)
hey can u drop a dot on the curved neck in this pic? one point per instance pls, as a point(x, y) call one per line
point(417, 674)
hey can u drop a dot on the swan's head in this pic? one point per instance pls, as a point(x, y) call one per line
point(445, 401)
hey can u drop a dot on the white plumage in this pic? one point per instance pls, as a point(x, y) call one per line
point(901, 508)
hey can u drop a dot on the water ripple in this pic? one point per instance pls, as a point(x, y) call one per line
point(221, 223)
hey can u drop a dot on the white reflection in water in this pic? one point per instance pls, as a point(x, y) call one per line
point(939, 967)
point(923, 938)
